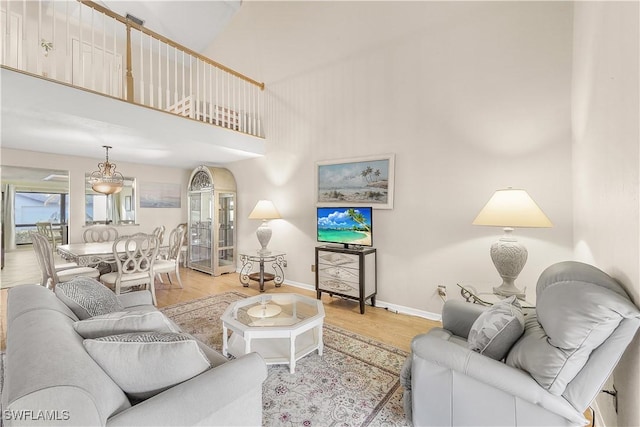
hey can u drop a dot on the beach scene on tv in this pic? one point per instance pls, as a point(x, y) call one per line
point(350, 226)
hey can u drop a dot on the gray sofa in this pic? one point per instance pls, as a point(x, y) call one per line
point(548, 375)
point(51, 379)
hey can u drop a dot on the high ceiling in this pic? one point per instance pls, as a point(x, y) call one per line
point(194, 24)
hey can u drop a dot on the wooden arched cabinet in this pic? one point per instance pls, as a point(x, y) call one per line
point(211, 235)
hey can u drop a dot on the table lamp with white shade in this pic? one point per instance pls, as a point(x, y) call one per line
point(510, 208)
point(264, 210)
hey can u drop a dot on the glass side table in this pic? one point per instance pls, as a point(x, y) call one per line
point(277, 261)
point(470, 294)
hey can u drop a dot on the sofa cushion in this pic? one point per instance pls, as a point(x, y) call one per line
point(496, 330)
point(87, 297)
point(142, 319)
point(578, 307)
point(144, 364)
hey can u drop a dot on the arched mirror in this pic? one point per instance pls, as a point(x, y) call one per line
point(117, 209)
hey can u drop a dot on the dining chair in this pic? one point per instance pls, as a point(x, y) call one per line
point(53, 274)
point(172, 263)
point(46, 229)
point(183, 248)
point(159, 233)
point(99, 233)
point(135, 256)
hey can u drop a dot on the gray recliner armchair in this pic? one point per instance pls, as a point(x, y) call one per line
point(583, 322)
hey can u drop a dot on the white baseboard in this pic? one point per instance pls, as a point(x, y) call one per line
point(395, 308)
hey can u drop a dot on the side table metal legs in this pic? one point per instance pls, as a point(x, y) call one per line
point(246, 275)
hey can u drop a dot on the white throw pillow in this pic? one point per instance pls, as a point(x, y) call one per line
point(143, 319)
point(144, 364)
point(87, 297)
point(496, 330)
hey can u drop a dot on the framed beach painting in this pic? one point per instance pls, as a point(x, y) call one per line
point(159, 195)
point(359, 181)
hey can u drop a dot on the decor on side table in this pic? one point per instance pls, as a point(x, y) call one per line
point(510, 208)
point(264, 210)
point(106, 180)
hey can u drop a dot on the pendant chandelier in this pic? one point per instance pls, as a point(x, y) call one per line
point(106, 180)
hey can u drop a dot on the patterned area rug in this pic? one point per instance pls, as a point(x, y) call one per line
point(354, 383)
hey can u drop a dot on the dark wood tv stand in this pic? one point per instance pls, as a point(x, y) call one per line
point(347, 272)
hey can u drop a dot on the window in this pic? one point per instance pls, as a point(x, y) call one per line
point(32, 207)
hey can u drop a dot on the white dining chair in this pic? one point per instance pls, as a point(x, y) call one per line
point(159, 233)
point(172, 263)
point(46, 229)
point(184, 248)
point(135, 257)
point(99, 233)
point(53, 274)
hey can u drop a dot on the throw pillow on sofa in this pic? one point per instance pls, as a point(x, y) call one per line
point(144, 364)
point(87, 297)
point(496, 330)
point(146, 319)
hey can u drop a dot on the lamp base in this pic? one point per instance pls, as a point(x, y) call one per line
point(264, 235)
point(509, 257)
point(507, 291)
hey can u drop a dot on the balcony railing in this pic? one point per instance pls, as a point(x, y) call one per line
point(88, 46)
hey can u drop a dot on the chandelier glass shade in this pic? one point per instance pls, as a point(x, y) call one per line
point(106, 180)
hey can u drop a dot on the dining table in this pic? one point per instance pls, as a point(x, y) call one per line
point(94, 254)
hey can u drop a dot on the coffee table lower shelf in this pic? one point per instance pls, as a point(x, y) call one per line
point(278, 351)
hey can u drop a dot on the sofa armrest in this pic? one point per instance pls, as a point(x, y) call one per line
point(132, 299)
point(458, 316)
point(227, 395)
point(436, 351)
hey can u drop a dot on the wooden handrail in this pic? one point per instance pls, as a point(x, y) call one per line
point(130, 24)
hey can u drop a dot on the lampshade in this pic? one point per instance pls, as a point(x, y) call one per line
point(512, 207)
point(264, 209)
point(106, 180)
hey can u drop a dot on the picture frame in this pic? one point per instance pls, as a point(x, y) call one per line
point(364, 181)
point(160, 195)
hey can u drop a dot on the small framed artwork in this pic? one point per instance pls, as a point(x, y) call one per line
point(160, 195)
point(364, 181)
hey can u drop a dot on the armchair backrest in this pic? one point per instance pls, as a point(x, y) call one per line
point(583, 323)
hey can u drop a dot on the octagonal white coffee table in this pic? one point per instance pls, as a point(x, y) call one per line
point(282, 328)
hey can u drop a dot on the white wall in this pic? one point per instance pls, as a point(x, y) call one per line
point(606, 153)
point(147, 218)
point(474, 105)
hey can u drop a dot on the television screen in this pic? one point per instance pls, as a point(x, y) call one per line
point(347, 226)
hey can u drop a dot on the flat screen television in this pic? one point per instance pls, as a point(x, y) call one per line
point(346, 226)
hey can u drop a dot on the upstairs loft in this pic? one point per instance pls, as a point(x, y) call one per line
point(50, 50)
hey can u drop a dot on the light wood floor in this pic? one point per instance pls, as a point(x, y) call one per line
point(391, 328)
